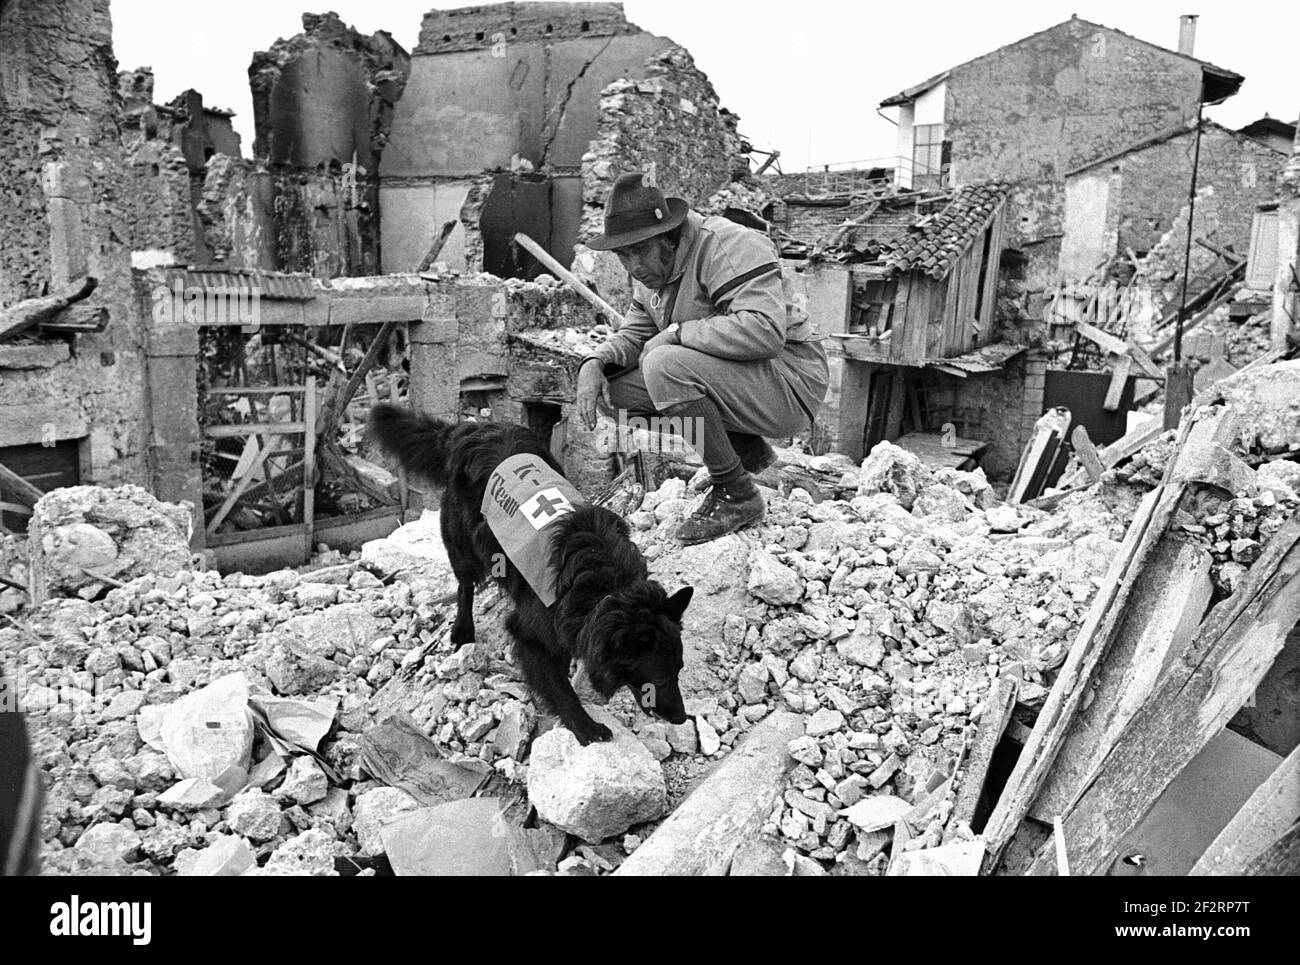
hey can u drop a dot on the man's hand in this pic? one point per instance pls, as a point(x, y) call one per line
point(666, 337)
point(592, 386)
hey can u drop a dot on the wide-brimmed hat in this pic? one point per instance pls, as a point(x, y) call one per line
point(637, 210)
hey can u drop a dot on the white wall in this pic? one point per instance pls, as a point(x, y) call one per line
point(1086, 241)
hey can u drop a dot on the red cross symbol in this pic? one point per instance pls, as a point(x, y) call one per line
point(547, 505)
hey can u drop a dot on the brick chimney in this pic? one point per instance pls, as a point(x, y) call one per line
point(1187, 33)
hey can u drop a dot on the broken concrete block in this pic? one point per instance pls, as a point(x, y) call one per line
point(961, 859)
point(346, 627)
point(710, 742)
point(192, 794)
point(225, 857)
point(209, 733)
point(466, 837)
point(294, 671)
point(308, 854)
point(108, 842)
point(119, 533)
point(940, 502)
point(1268, 400)
point(305, 783)
point(891, 469)
point(255, 814)
point(772, 581)
point(729, 807)
point(876, 812)
point(823, 722)
point(599, 790)
point(416, 546)
point(373, 810)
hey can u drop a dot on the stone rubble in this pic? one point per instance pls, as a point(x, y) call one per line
point(884, 618)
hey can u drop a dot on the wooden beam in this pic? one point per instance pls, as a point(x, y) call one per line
point(1086, 452)
point(21, 487)
point(253, 429)
point(1104, 620)
point(268, 446)
point(29, 313)
point(572, 280)
point(1262, 820)
point(998, 706)
point(1118, 381)
point(1112, 344)
point(1232, 652)
point(1281, 860)
point(1162, 617)
point(309, 417)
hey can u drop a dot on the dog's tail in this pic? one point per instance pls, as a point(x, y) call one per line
point(419, 442)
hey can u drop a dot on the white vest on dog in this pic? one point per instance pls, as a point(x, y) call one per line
point(523, 497)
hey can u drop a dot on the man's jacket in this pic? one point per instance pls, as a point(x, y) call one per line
point(732, 301)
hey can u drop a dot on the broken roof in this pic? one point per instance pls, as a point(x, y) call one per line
point(1228, 80)
point(1179, 130)
point(930, 243)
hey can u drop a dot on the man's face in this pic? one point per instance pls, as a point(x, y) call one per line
point(650, 262)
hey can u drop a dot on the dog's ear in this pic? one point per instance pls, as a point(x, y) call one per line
point(676, 604)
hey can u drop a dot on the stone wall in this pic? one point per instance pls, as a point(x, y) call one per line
point(323, 106)
point(671, 120)
point(1031, 111)
point(1154, 183)
point(69, 210)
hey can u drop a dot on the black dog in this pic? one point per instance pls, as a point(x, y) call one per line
point(623, 626)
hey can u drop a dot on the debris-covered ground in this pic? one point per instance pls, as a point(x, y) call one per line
point(286, 724)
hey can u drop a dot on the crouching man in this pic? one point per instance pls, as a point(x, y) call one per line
point(712, 340)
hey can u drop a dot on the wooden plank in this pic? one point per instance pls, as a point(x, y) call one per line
point(268, 447)
point(1001, 701)
point(1262, 820)
point(1162, 617)
point(1118, 381)
point(1281, 860)
point(253, 429)
point(1113, 345)
point(1105, 617)
point(309, 417)
point(256, 390)
point(1233, 650)
point(902, 316)
point(1144, 361)
point(21, 487)
point(29, 313)
point(1087, 452)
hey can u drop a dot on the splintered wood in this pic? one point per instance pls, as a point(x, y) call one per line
point(1151, 678)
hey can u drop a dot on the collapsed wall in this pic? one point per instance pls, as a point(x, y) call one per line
point(323, 104)
point(71, 405)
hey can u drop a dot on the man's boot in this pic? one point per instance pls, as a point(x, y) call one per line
point(727, 508)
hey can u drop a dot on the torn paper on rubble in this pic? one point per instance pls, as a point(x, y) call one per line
point(400, 754)
point(209, 733)
point(467, 837)
point(304, 724)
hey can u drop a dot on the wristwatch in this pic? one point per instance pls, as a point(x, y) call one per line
point(673, 331)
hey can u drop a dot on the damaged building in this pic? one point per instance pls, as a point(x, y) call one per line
point(994, 590)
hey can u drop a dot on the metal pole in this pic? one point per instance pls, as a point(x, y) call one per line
point(1187, 253)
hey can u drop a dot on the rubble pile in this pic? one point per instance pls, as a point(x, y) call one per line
point(86, 538)
point(307, 722)
point(885, 619)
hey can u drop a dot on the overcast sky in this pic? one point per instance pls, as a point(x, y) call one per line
point(805, 76)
